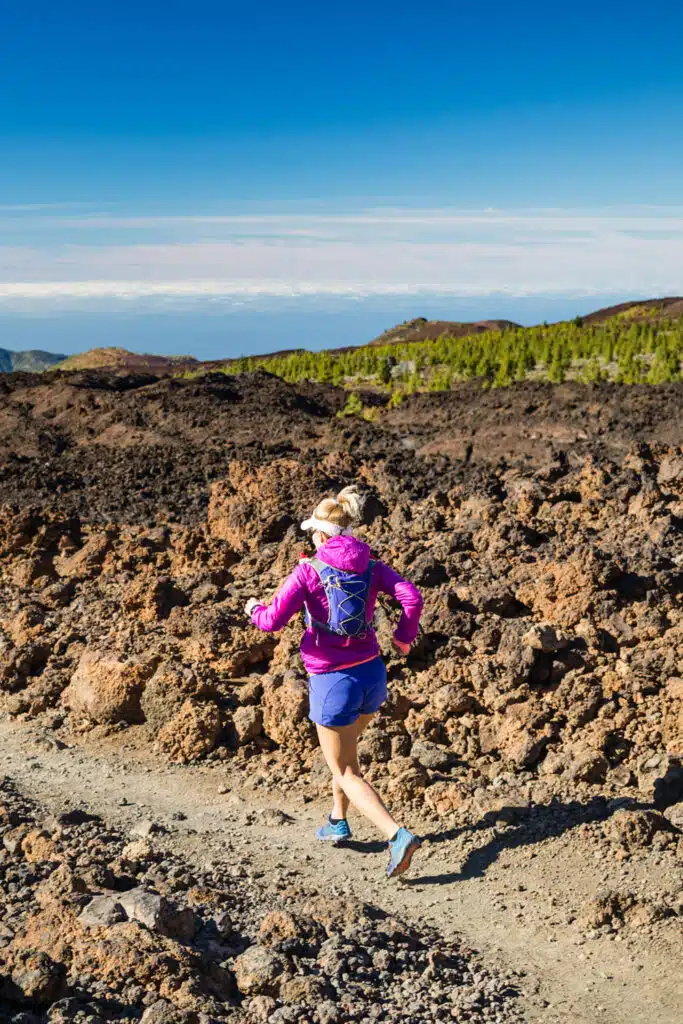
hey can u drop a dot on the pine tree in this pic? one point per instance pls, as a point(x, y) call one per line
point(353, 407)
point(384, 373)
point(593, 372)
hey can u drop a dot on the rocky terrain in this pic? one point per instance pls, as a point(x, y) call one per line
point(648, 309)
point(542, 700)
point(102, 926)
point(114, 358)
point(422, 329)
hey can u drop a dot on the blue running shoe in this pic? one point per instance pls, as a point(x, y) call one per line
point(401, 850)
point(334, 833)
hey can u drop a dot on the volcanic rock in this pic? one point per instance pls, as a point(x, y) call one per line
point(259, 970)
point(193, 732)
point(35, 979)
point(105, 689)
point(101, 912)
point(248, 723)
point(157, 914)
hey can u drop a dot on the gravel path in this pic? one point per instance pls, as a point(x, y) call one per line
point(517, 893)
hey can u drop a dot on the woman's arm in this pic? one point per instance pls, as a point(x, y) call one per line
point(287, 602)
point(408, 596)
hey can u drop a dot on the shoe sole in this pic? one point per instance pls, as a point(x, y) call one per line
point(333, 839)
point(404, 863)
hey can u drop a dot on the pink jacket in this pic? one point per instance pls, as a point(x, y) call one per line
point(325, 652)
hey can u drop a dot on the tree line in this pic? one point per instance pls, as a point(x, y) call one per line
point(622, 349)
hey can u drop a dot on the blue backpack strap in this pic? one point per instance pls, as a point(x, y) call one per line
point(319, 566)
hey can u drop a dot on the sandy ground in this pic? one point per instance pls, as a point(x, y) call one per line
point(513, 892)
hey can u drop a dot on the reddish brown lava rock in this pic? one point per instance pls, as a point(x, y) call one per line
point(285, 714)
point(140, 517)
point(193, 732)
point(249, 507)
point(635, 830)
point(105, 689)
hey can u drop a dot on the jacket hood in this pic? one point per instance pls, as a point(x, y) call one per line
point(345, 553)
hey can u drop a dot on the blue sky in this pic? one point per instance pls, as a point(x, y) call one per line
point(204, 177)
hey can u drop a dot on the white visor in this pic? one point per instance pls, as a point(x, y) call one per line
point(324, 526)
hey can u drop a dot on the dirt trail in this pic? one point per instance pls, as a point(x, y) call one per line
point(510, 890)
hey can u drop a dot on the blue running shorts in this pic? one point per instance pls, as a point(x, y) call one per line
point(338, 698)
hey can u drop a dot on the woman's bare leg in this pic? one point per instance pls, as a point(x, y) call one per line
point(340, 801)
point(340, 748)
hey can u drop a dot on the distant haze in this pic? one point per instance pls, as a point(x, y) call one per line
point(234, 332)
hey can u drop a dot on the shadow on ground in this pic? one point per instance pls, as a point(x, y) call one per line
point(358, 846)
point(524, 826)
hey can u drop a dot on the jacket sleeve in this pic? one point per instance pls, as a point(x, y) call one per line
point(408, 596)
point(287, 602)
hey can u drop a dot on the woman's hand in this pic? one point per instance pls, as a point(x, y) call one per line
point(250, 605)
point(403, 650)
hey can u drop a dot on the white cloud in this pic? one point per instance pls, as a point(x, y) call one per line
point(19, 208)
point(371, 252)
point(605, 218)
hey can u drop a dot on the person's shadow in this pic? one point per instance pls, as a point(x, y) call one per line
point(360, 846)
point(524, 826)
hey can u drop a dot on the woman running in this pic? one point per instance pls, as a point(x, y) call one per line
point(348, 680)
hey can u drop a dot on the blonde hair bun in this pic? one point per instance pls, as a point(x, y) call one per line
point(350, 500)
point(343, 510)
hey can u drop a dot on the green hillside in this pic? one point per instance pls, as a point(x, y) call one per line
point(629, 347)
point(31, 361)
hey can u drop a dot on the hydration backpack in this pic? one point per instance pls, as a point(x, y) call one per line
point(347, 599)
